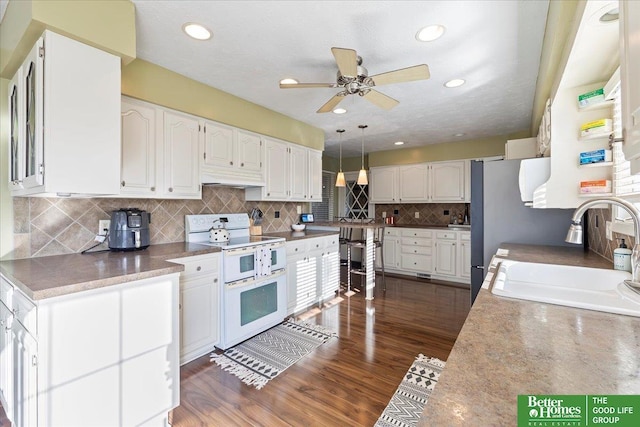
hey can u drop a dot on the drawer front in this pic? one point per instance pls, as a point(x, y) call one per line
point(296, 247)
point(206, 264)
point(331, 243)
point(315, 244)
point(25, 312)
point(392, 232)
point(416, 241)
point(415, 232)
point(465, 236)
point(412, 249)
point(446, 235)
point(419, 263)
point(6, 292)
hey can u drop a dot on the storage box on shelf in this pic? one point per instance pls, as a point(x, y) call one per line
point(65, 120)
point(421, 183)
point(199, 305)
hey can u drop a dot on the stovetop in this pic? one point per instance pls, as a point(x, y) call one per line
point(197, 230)
point(238, 242)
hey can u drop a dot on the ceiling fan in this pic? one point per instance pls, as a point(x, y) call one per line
point(355, 79)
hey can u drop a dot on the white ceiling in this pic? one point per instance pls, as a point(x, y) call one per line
point(494, 45)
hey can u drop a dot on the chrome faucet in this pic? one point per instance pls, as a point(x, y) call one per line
point(574, 235)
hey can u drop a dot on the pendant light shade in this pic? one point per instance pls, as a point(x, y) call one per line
point(340, 182)
point(362, 176)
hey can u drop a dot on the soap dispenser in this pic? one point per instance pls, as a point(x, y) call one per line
point(622, 257)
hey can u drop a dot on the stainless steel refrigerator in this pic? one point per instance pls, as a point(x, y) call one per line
point(498, 215)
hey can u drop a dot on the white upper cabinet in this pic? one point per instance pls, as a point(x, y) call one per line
point(292, 173)
point(138, 166)
point(160, 152)
point(181, 141)
point(629, 80)
point(448, 181)
point(421, 183)
point(67, 120)
point(231, 156)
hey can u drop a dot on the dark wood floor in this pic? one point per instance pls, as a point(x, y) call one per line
point(346, 382)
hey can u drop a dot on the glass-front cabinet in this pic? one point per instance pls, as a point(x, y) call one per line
point(16, 145)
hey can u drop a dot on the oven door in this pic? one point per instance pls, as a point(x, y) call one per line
point(278, 256)
point(240, 264)
point(251, 307)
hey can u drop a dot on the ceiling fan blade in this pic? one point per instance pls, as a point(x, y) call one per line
point(330, 105)
point(417, 72)
point(305, 85)
point(381, 100)
point(347, 61)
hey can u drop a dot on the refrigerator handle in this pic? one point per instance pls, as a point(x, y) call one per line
point(479, 267)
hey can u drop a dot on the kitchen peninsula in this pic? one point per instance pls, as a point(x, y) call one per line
point(509, 347)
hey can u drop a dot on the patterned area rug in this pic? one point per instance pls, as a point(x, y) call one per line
point(263, 357)
point(407, 403)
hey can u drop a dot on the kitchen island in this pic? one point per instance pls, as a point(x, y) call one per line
point(509, 347)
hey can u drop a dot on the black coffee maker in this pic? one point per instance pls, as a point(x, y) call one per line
point(129, 229)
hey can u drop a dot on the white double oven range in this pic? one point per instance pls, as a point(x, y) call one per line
point(254, 290)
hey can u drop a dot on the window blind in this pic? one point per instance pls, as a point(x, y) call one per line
point(323, 211)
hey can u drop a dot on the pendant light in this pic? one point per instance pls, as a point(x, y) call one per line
point(362, 176)
point(340, 182)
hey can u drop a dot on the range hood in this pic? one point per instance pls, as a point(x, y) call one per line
point(230, 180)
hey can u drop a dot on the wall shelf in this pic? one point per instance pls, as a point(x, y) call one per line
point(601, 106)
point(596, 165)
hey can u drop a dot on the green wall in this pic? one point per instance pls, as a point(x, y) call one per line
point(6, 203)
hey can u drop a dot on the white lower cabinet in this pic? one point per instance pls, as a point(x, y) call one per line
point(104, 356)
point(313, 271)
point(428, 253)
point(199, 305)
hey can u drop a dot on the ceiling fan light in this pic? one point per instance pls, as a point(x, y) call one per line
point(196, 31)
point(339, 111)
point(458, 134)
point(289, 81)
point(430, 33)
point(340, 181)
point(454, 83)
point(362, 177)
point(398, 143)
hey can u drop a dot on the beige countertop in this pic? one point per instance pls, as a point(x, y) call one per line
point(51, 276)
point(509, 347)
point(298, 235)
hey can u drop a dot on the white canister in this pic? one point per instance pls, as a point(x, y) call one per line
point(622, 258)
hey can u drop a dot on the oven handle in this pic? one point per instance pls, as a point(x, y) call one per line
point(251, 281)
point(276, 245)
point(240, 251)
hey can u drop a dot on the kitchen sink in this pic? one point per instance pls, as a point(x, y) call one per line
point(582, 287)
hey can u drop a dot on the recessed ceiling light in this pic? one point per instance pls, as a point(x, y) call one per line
point(454, 83)
point(196, 31)
point(398, 143)
point(339, 111)
point(459, 134)
point(430, 33)
point(289, 82)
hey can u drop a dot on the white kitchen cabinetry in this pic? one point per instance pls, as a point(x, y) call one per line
point(630, 83)
point(160, 152)
point(416, 250)
point(390, 247)
point(313, 271)
point(464, 255)
point(111, 351)
point(448, 181)
point(446, 253)
point(421, 183)
point(231, 156)
point(293, 173)
point(6, 348)
point(68, 119)
point(199, 305)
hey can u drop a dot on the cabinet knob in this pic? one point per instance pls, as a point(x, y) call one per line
point(170, 189)
point(123, 183)
point(268, 194)
point(215, 280)
point(231, 163)
point(153, 188)
point(242, 165)
point(198, 268)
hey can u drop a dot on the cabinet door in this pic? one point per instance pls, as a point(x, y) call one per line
point(25, 386)
point(383, 183)
point(447, 181)
point(6, 360)
point(277, 169)
point(315, 176)
point(181, 164)
point(299, 173)
point(138, 165)
point(465, 259)
point(629, 72)
point(391, 248)
point(249, 147)
point(413, 183)
point(199, 328)
point(33, 86)
point(16, 131)
point(218, 146)
point(445, 258)
point(328, 281)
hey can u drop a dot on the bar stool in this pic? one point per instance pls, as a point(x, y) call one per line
point(343, 240)
point(378, 243)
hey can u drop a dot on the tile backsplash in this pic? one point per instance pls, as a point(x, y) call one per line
point(54, 226)
point(429, 213)
point(598, 241)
